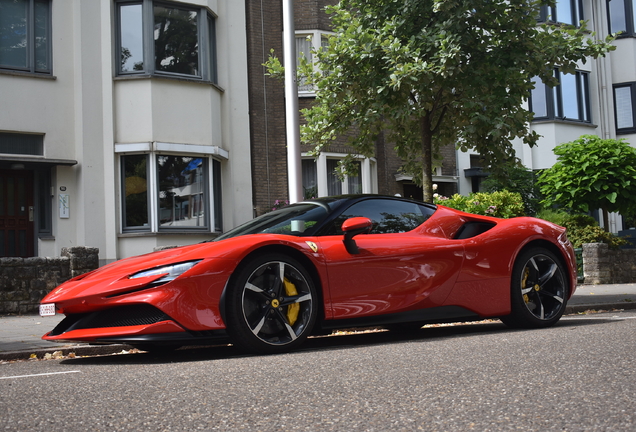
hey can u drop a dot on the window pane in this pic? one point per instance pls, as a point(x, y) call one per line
point(564, 11)
point(182, 192)
point(303, 50)
point(26, 144)
point(569, 97)
point(388, 216)
point(176, 40)
point(131, 36)
point(212, 48)
point(334, 184)
point(310, 179)
point(303, 47)
point(583, 95)
point(135, 187)
point(355, 182)
point(42, 23)
point(217, 196)
point(538, 98)
point(13, 33)
point(624, 108)
point(617, 16)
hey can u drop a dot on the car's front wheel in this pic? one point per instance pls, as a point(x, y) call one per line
point(271, 304)
point(539, 290)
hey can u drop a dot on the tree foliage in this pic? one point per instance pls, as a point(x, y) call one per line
point(515, 177)
point(592, 173)
point(434, 72)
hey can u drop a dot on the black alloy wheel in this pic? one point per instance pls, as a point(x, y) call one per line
point(539, 290)
point(272, 305)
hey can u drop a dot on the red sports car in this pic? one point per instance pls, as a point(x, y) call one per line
point(323, 264)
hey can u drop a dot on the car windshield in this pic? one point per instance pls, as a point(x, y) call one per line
point(298, 220)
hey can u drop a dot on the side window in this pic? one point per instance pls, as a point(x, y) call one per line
point(388, 216)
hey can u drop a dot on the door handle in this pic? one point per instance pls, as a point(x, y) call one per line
point(30, 213)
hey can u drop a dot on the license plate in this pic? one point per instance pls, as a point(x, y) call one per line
point(47, 309)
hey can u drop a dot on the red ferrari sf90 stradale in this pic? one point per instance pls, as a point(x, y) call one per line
point(324, 264)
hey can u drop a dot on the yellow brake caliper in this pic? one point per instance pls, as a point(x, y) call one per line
point(523, 284)
point(294, 308)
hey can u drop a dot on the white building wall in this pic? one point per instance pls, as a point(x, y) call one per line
point(84, 110)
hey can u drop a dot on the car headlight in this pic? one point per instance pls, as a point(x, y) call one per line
point(171, 272)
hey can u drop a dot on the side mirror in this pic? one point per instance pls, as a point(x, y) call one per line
point(352, 227)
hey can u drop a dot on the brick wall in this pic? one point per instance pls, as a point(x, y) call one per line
point(602, 265)
point(25, 281)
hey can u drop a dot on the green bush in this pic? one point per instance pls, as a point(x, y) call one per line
point(567, 220)
point(594, 234)
point(581, 228)
point(501, 204)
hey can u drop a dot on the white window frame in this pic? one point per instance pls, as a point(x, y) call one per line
point(316, 37)
point(154, 149)
point(368, 171)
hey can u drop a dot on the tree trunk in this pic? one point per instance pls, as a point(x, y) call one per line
point(427, 158)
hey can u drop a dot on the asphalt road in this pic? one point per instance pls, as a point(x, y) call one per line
point(577, 376)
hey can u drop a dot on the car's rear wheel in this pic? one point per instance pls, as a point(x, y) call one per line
point(271, 304)
point(539, 290)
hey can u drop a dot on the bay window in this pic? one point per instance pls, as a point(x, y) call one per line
point(569, 100)
point(166, 38)
point(320, 177)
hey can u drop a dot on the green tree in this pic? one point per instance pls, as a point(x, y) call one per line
point(517, 178)
point(592, 173)
point(435, 72)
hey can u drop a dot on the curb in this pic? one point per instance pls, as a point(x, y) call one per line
point(578, 308)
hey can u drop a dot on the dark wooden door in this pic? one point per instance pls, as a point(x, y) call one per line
point(16, 213)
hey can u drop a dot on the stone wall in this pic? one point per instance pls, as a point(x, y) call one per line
point(602, 265)
point(25, 281)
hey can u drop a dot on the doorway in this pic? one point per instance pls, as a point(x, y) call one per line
point(16, 213)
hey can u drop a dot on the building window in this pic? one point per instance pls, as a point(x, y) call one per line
point(569, 100)
point(182, 192)
point(169, 192)
point(320, 177)
point(306, 45)
point(621, 17)
point(565, 12)
point(346, 185)
point(178, 40)
point(23, 144)
point(25, 35)
point(624, 100)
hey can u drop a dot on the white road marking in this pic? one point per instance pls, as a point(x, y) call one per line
point(35, 375)
point(591, 317)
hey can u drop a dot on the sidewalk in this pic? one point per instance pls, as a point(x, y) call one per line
point(21, 335)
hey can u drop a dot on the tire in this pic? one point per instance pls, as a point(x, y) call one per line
point(539, 290)
point(271, 305)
